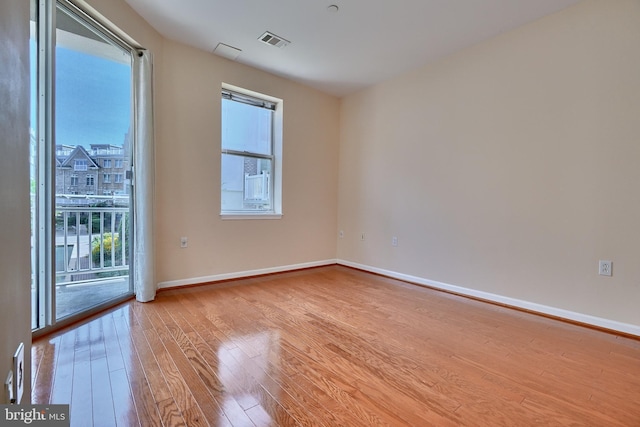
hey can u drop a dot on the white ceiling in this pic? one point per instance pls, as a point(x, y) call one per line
point(365, 42)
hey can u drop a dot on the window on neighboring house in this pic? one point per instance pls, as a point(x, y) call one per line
point(118, 164)
point(106, 178)
point(90, 180)
point(74, 180)
point(106, 163)
point(118, 177)
point(251, 153)
point(80, 165)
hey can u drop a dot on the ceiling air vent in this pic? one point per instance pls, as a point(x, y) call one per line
point(273, 40)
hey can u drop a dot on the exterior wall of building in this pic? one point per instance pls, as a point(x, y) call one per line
point(105, 174)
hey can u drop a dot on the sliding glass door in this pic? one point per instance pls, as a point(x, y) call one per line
point(82, 157)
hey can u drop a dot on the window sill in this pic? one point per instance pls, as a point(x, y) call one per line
point(235, 216)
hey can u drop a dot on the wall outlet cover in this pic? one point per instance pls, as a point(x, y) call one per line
point(605, 268)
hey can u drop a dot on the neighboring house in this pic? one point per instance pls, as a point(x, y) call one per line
point(98, 171)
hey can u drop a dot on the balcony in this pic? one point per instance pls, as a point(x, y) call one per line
point(92, 256)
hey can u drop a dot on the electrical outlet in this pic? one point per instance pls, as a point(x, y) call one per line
point(184, 242)
point(605, 268)
point(394, 241)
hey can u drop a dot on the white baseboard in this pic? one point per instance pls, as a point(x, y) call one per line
point(241, 274)
point(526, 305)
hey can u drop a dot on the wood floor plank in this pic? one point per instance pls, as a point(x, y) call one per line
point(203, 408)
point(101, 393)
point(113, 352)
point(44, 359)
point(177, 386)
point(148, 413)
point(223, 387)
point(334, 346)
point(81, 410)
point(123, 402)
point(63, 372)
point(170, 413)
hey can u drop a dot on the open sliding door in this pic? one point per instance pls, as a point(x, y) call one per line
point(82, 149)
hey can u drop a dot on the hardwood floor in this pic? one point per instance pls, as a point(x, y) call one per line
point(333, 346)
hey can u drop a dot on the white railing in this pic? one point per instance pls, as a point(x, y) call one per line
point(106, 152)
point(256, 188)
point(74, 200)
point(91, 243)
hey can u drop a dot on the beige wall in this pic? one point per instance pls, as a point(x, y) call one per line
point(15, 270)
point(120, 14)
point(187, 101)
point(188, 172)
point(510, 168)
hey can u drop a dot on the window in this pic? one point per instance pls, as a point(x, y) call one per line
point(251, 154)
point(118, 164)
point(106, 163)
point(90, 180)
point(80, 165)
point(118, 177)
point(74, 180)
point(106, 178)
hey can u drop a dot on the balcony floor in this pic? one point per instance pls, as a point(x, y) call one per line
point(71, 299)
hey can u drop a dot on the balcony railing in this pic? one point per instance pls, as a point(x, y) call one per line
point(256, 188)
point(92, 243)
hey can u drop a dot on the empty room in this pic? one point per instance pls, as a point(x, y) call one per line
point(320, 212)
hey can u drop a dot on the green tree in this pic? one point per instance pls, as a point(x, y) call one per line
point(112, 242)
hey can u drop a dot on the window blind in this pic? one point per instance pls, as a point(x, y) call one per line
point(246, 99)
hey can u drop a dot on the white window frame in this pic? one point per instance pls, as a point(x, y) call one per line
point(118, 164)
point(106, 163)
point(276, 158)
point(80, 165)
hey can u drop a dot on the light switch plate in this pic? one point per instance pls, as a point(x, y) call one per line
point(18, 368)
point(8, 386)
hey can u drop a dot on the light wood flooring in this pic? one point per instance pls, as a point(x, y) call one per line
point(333, 346)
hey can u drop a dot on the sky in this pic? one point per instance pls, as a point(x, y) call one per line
point(93, 98)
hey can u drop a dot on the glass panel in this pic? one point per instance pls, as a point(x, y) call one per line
point(92, 125)
point(246, 128)
point(246, 183)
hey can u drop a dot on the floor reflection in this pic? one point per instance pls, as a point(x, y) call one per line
point(244, 366)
